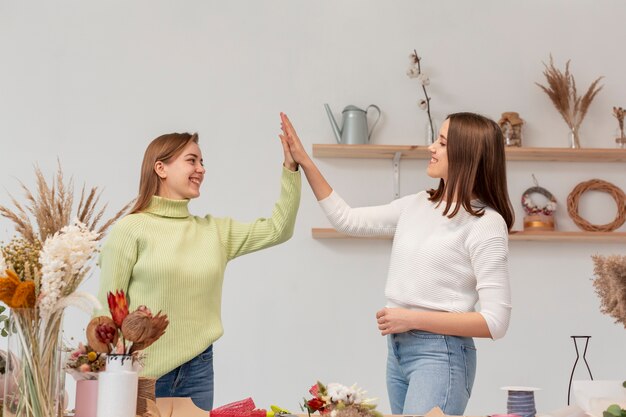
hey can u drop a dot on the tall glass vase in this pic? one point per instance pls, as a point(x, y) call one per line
point(34, 380)
point(431, 131)
point(574, 139)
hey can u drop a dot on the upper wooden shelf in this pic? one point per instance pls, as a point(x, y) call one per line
point(516, 235)
point(512, 154)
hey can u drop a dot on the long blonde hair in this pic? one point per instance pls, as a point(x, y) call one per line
point(164, 148)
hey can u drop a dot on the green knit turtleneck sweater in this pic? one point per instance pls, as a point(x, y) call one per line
point(174, 262)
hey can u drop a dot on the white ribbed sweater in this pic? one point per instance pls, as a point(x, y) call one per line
point(437, 263)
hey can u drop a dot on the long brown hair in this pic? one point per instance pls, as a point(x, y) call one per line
point(476, 168)
point(164, 148)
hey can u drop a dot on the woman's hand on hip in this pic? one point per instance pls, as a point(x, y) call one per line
point(396, 320)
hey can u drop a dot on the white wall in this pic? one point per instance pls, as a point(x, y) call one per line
point(92, 82)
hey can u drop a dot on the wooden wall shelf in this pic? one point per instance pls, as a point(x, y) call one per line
point(512, 154)
point(516, 235)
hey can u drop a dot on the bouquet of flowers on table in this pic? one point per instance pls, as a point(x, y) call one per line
point(84, 363)
point(125, 332)
point(120, 340)
point(41, 269)
point(340, 401)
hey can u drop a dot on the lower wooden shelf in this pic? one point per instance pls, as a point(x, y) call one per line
point(515, 235)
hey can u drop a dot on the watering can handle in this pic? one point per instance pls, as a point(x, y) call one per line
point(376, 121)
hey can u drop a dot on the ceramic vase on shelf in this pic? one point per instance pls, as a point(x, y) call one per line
point(34, 379)
point(117, 388)
point(86, 398)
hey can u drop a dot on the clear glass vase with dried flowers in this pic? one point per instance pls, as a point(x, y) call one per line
point(40, 271)
point(619, 114)
point(561, 90)
point(415, 71)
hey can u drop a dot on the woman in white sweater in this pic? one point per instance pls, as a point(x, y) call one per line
point(450, 251)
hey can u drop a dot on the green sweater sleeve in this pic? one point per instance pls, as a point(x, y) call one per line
point(242, 238)
point(117, 259)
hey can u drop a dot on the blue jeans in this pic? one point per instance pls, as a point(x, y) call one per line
point(425, 370)
point(191, 379)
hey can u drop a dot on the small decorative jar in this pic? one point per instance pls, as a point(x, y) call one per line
point(86, 398)
point(511, 125)
point(117, 387)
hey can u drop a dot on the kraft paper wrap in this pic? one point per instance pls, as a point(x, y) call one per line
point(179, 407)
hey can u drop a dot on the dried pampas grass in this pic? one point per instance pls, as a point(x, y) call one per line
point(561, 90)
point(610, 285)
point(49, 208)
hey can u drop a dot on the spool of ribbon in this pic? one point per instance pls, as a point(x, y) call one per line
point(521, 401)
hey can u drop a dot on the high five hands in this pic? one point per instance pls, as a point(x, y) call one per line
point(289, 162)
point(291, 141)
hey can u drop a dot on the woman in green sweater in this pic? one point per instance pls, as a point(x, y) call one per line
point(167, 259)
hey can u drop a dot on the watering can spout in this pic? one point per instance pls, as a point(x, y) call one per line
point(333, 123)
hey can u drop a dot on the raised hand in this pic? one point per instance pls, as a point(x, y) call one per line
point(290, 137)
point(289, 162)
point(291, 141)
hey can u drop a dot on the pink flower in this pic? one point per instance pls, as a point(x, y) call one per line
point(84, 368)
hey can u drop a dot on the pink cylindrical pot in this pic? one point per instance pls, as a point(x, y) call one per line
point(86, 398)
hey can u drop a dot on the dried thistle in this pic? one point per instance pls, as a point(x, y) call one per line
point(49, 208)
point(561, 90)
point(619, 113)
point(610, 285)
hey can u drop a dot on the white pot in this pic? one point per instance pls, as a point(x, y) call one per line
point(117, 388)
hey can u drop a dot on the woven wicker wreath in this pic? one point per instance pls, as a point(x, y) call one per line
point(597, 185)
point(531, 208)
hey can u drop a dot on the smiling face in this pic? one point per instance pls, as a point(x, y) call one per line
point(180, 178)
point(438, 165)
